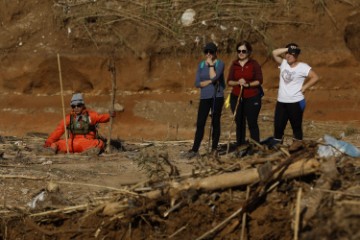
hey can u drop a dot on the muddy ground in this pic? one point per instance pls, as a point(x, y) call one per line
point(104, 197)
point(155, 58)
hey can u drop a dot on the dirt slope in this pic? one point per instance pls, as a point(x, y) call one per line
point(154, 51)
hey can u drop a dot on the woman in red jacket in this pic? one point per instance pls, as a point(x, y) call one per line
point(245, 74)
point(81, 126)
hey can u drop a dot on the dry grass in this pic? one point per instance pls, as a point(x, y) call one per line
point(228, 20)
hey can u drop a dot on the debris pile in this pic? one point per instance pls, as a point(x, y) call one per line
point(277, 193)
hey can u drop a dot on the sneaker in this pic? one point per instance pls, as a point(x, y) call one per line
point(190, 154)
point(271, 142)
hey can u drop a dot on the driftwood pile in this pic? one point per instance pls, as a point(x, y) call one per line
point(215, 201)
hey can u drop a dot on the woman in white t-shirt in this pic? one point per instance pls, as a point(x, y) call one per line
point(291, 101)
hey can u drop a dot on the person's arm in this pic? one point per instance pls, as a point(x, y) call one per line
point(198, 82)
point(277, 54)
point(216, 71)
point(254, 83)
point(233, 82)
point(99, 118)
point(212, 71)
point(231, 79)
point(312, 79)
point(258, 77)
point(57, 133)
point(205, 83)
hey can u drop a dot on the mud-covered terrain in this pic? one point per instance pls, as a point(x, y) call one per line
point(114, 195)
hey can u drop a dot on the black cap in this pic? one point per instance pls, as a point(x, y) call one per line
point(210, 46)
point(293, 49)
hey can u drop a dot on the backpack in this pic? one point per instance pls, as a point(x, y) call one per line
point(261, 90)
point(202, 64)
point(83, 126)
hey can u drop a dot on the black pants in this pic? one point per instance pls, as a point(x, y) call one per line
point(203, 112)
point(292, 112)
point(247, 111)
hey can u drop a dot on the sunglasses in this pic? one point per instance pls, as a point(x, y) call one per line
point(209, 52)
point(78, 106)
point(243, 51)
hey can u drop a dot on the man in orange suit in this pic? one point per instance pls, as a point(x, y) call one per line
point(81, 125)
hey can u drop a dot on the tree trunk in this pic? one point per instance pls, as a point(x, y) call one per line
point(227, 180)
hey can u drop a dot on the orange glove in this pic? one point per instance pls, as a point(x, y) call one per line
point(47, 144)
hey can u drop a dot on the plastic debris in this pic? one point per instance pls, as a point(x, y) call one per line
point(227, 101)
point(40, 197)
point(336, 147)
point(187, 18)
point(325, 151)
point(222, 27)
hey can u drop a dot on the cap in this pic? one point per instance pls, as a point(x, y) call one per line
point(76, 99)
point(293, 49)
point(210, 46)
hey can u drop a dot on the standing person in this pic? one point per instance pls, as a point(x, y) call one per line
point(245, 73)
point(290, 104)
point(81, 125)
point(210, 80)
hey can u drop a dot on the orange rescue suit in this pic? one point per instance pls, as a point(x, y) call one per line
point(77, 142)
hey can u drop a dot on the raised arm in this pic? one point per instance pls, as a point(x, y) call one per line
point(277, 54)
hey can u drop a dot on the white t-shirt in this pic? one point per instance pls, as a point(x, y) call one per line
point(291, 81)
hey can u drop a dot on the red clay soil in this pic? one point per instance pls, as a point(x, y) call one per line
point(162, 71)
point(155, 58)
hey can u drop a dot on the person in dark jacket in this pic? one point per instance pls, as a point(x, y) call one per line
point(210, 80)
point(245, 77)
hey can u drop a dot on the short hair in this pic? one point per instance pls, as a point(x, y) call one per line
point(293, 48)
point(247, 45)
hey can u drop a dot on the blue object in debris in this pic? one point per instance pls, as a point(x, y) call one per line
point(342, 146)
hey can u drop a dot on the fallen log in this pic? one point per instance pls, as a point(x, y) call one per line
point(228, 180)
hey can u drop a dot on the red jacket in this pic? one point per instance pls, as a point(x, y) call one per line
point(250, 72)
point(94, 118)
